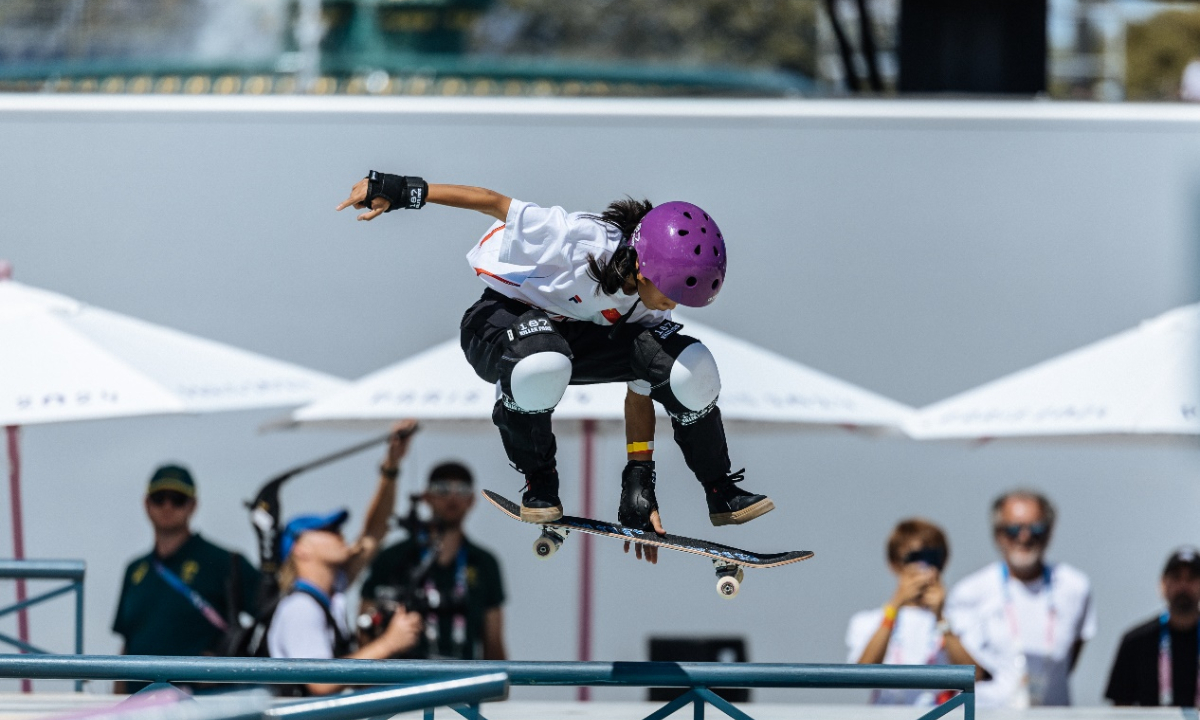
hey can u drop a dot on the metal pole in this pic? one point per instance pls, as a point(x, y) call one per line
point(585, 570)
point(14, 491)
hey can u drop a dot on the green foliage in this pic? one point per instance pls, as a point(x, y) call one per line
point(1156, 52)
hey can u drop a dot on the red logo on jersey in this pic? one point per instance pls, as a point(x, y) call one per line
point(612, 315)
point(575, 299)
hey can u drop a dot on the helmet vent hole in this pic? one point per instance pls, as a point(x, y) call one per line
point(716, 252)
point(683, 232)
point(706, 217)
point(691, 282)
point(697, 250)
point(716, 283)
point(703, 229)
point(687, 215)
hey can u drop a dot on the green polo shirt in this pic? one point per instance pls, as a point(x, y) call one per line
point(156, 619)
point(485, 590)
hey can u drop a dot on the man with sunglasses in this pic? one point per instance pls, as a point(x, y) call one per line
point(1024, 620)
point(181, 597)
point(452, 581)
point(1156, 663)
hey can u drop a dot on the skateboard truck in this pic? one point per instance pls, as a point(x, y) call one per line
point(549, 542)
point(729, 578)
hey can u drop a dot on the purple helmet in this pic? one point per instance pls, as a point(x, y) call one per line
point(681, 251)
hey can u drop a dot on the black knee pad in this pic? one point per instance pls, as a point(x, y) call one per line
point(535, 368)
point(680, 369)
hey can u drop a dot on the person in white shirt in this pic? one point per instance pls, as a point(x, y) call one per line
point(309, 620)
point(578, 298)
point(909, 629)
point(1024, 620)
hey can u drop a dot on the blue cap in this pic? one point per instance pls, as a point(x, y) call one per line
point(301, 524)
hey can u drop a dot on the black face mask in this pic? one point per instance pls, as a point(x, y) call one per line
point(933, 557)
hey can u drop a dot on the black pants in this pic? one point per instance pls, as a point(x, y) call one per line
point(598, 355)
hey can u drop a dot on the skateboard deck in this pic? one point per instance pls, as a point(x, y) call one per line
point(727, 560)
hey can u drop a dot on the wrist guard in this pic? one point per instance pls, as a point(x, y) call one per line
point(407, 192)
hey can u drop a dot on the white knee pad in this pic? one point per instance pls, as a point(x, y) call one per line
point(539, 380)
point(695, 382)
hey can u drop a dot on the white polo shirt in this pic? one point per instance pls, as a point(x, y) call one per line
point(1015, 629)
point(914, 641)
point(539, 257)
point(300, 629)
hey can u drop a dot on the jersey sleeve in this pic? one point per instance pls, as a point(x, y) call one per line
point(1087, 628)
point(299, 629)
point(120, 624)
point(965, 612)
point(536, 236)
point(491, 582)
point(1120, 688)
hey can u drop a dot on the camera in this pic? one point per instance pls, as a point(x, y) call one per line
point(933, 557)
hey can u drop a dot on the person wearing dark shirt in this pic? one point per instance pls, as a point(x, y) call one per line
point(182, 596)
point(1139, 675)
point(460, 582)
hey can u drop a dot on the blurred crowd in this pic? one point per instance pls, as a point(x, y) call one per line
point(1022, 620)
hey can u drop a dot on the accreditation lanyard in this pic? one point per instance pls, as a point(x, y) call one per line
point(203, 606)
point(1166, 693)
point(898, 652)
point(458, 603)
point(1010, 610)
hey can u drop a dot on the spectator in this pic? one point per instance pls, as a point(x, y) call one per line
point(1023, 620)
point(909, 629)
point(457, 582)
point(318, 565)
point(1157, 661)
point(181, 597)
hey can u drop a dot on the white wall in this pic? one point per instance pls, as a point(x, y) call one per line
point(917, 249)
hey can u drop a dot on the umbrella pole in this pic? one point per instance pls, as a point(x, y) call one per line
point(585, 570)
point(14, 487)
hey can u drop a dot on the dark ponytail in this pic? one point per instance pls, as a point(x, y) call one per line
point(624, 215)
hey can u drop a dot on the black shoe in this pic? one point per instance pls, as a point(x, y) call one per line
point(637, 495)
point(730, 505)
point(540, 503)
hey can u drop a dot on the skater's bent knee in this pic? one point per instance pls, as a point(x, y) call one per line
point(539, 381)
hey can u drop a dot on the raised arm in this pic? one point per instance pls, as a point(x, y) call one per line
point(378, 193)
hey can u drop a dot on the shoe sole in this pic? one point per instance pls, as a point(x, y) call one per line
point(745, 515)
point(541, 515)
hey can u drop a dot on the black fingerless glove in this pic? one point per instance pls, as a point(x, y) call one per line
point(407, 192)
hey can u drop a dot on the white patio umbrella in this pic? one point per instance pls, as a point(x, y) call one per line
point(757, 386)
point(1140, 383)
point(63, 360)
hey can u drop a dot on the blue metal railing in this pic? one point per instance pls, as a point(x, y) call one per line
point(697, 677)
point(70, 570)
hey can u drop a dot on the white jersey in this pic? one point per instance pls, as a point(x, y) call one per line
point(299, 628)
point(1022, 633)
point(914, 641)
point(539, 257)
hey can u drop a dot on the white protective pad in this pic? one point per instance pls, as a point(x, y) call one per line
point(539, 381)
point(695, 381)
point(639, 387)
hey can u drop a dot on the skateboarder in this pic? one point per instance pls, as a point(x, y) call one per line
point(576, 298)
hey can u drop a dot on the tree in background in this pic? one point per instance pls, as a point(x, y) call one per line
point(1156, 52)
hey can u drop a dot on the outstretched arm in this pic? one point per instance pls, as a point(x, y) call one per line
point(488, 202)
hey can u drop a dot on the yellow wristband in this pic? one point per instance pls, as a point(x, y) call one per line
point(639, 447)
point(889, 616)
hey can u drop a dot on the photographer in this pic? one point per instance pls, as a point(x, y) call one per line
point(453, 583)
point(909, 629)
point(318, 565)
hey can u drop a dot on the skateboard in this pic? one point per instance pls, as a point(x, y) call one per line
point(728, 562)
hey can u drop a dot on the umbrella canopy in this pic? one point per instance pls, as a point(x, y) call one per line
point(63, 360)
point(1141, 382)
point(756, 386)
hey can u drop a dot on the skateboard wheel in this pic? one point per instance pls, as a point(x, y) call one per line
point(545, 547)
point(728, 587)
